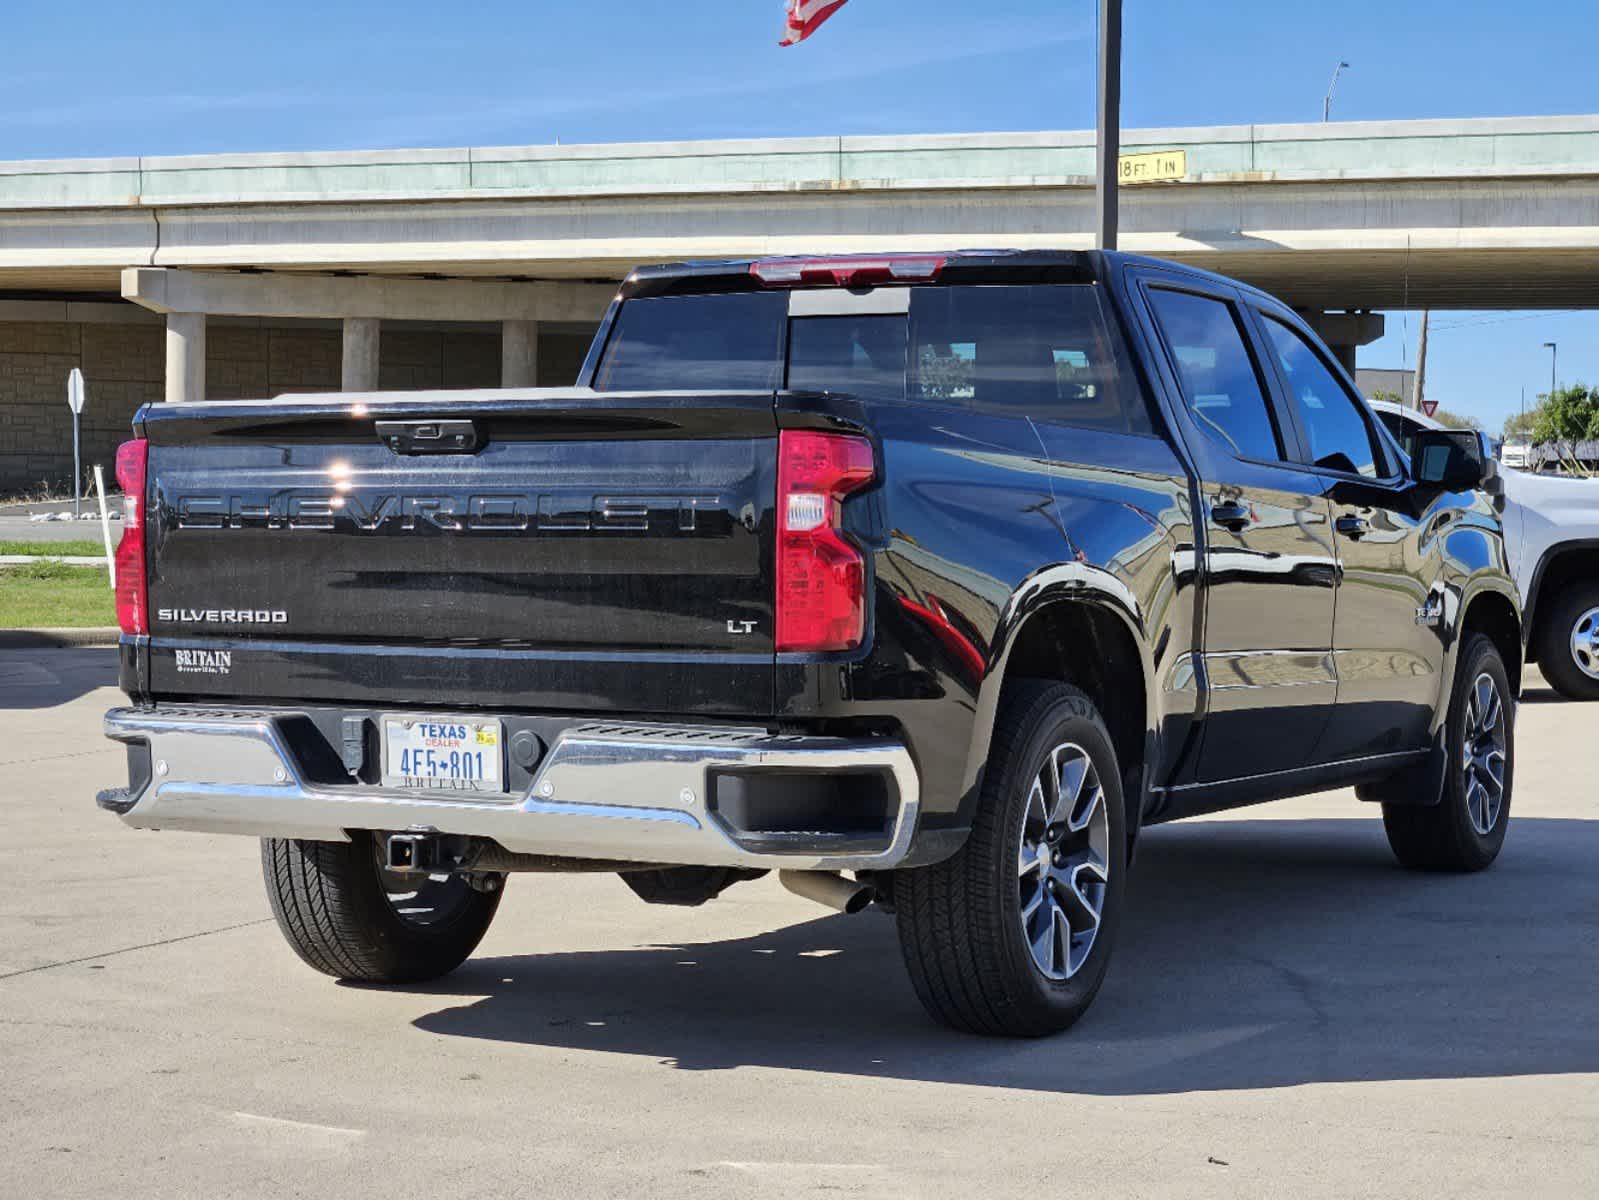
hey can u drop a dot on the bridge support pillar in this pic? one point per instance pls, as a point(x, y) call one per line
point(362, 338)
point(185, 357)
point(519, 354)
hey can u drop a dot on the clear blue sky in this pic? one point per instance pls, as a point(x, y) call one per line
point(97, 77)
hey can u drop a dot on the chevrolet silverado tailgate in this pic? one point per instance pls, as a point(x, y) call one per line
point(558, 548)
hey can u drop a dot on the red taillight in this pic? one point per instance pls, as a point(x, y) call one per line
point(852, 271)
point(821, 576)
point(133, 594)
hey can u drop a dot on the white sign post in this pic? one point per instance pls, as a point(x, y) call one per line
point(75, 399)
point(105, 525)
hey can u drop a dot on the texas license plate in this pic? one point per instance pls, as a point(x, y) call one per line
point(443, 754)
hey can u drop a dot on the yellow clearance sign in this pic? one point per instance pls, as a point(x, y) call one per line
point(1161, 166)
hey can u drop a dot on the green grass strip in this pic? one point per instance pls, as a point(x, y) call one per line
point(50, 595)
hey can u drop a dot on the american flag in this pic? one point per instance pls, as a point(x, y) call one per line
point(805, 17)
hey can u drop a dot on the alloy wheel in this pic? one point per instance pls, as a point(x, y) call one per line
point(1063, 861)
point(1483, 755)
point(1585, 643)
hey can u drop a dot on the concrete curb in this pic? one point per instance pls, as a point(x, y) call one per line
point(41, 639)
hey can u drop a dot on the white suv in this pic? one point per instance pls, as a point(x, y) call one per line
point(1552, 536)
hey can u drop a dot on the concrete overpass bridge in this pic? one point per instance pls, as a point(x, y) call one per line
point(520, 246)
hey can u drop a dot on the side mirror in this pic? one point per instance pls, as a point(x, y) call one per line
point(1457, 460)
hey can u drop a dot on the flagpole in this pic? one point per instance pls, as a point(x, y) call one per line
point(1109, 136)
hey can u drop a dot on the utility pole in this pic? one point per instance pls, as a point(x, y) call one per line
point(1326, 102)
point(1554, 351)
point(1110, 126)
point(1421, 360)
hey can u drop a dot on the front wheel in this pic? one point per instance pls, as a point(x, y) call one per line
point(1568, 643)
point(1012, 935)
point(348, 916)
point(1466, 828)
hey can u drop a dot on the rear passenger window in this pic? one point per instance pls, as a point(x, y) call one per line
point(1339, 437)
point(1220, 383)
point(1044, 351)
point(723, 343)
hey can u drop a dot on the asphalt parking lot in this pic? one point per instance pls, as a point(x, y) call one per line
point(1288, 1014)
point(15, 525)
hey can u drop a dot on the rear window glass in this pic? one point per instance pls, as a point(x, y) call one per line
point(863, 356)
point(1043, 351)
point(695, 343)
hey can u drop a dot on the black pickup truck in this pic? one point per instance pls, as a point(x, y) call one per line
point(951, 572)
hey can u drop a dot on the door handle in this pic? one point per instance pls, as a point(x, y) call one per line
point(1231, 516)
point(1352, 526)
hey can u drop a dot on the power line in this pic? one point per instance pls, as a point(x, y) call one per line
point(1553, 312)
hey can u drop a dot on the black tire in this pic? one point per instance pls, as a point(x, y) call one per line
point(961, 922)
point(332, 905)
point(1442, 836)
point(1575, 602)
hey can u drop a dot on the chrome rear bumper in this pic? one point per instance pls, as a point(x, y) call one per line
point(624, 791)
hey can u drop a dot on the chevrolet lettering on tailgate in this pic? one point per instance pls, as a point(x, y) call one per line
point(543, 512)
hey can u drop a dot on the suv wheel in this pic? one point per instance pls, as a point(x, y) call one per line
point(1012, 935)
point(1466, 828)
point(348, 916)
point(1568, 642)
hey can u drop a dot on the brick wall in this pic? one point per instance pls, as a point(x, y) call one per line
point(245, 362)
point(410, 361)
point(124, 367)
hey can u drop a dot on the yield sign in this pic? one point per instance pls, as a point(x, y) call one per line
point(1429, 407)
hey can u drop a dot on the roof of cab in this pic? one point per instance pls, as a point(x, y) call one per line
point(953, 267)
point(839, 270)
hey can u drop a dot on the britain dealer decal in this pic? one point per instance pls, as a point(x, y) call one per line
point(204, 662)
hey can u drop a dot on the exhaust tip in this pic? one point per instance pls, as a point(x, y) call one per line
point(829, 888)
point(859, 901)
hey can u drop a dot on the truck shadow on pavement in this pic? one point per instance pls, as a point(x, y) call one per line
point(46, 677)
point(1255, 954)
point(1535, 694)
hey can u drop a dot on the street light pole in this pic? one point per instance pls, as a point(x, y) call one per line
point(1110, 103)
point(1553, 354)
point(1326, 103)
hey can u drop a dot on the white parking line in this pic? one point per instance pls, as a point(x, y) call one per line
point(756, 1167)
point(306, 1126)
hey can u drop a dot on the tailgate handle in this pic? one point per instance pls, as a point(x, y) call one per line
point(429, 437)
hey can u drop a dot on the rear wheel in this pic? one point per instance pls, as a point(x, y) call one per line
point(1466, 828)
point(348, 916)
point(1012, 935)
point(1568, 641)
